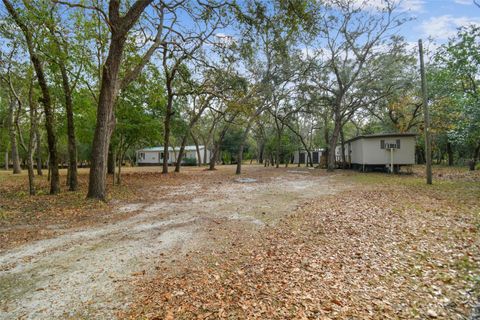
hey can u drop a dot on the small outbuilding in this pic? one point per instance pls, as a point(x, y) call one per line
point(379, 151)
point(154, 156)
point(301, 156)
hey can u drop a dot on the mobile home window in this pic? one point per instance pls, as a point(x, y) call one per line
point(382, 144)
point(398, 143)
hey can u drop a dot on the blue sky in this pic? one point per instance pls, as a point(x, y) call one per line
point(438, 19)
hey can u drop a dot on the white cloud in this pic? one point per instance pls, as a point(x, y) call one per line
point(464, 2)
point(222, 40)
point(402, 5)
point(412, 5)
point(443, 27)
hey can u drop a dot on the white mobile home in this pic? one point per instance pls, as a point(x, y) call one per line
point(338, 154)
point(301, 156)
point(154, 156)
point(387, 151)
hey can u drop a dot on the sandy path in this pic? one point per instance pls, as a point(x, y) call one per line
point(87, 272)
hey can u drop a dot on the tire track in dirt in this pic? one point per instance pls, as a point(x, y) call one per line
point(87, 272)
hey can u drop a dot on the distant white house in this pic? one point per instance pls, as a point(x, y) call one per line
point(387, 150)
point(154, 155)
point(301, 156)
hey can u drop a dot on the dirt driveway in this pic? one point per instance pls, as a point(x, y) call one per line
point(88, 272)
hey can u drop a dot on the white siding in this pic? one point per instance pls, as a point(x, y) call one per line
point(368, 151)
point(207, 160)
point(356, 151)
point(149, 157)
point(154, 156)
point(193, 154)
point(338, 153)
point(296, 157)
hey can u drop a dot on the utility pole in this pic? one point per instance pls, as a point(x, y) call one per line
point(426, 116)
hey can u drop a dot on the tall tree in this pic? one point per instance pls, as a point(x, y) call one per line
point(46, 97)
point(351, 36)
point(183, 44)
point(454, 80)
point(120, 27)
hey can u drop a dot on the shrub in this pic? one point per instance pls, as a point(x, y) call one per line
point(190, 162)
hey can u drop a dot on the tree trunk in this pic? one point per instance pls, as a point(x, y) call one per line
point(50, 126)
point(208, 141)
point(38, 153)
point(216, 150)
point(31, 185)
point(205, 154)
point(72, 144)
point(121, 155)
point(342, 141)
point(31, 143)
point(119, 174)
point(46, 99)
point(309, 159)
point(180, 153)
point(476, 154)
point(105, 119)
point(277, 149)
point(6, 160)
point(298, 164)
point(67, 181)
point(240, 149)
point(110, 161)
point(114, 175)
point(333, 144)
point(261, 150)
point(13, 140)
point(239, 159)
point(216, 146)
point(167, 121)
point(450, 154)
point(199, 156)
point(213, 157)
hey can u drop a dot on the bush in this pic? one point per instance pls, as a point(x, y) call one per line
point(190, 162)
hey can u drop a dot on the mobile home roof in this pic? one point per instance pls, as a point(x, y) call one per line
point(382, 135)
point(160, 149)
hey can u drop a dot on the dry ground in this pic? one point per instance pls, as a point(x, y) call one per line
point(388, 247)
point(85, 266)
point(296, 243)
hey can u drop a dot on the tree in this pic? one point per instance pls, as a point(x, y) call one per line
point(454, 81)
point(12, 115)
point(61, 55)
point(137, 124)
point(182, 44)
point(120, 27)
point(349, 39)
point(46, 97)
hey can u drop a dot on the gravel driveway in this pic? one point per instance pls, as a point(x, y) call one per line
point(88, 272)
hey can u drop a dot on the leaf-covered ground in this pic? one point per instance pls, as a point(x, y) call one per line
point(86, 272)
point(25, 218)
point(389, 247)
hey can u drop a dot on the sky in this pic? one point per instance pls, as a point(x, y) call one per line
point(438, 19)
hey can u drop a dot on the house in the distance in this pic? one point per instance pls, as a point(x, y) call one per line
point(154, 156)
point(379, 151)
point(301, 156)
